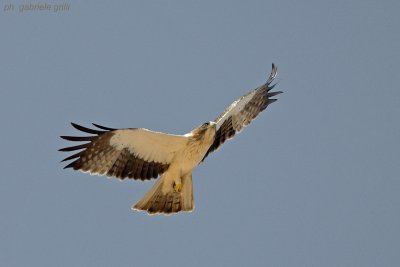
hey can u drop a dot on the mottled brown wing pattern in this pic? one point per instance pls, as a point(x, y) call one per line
point(239, 115)
point(99, 157)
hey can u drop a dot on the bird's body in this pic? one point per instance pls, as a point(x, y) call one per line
point(144, 154)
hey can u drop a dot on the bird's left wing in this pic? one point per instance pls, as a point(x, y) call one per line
point(134, 153)
point(241, 112)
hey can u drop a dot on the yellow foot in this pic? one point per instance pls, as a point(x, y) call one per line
point(177, 187)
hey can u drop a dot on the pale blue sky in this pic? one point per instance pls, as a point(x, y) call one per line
point(314, 181)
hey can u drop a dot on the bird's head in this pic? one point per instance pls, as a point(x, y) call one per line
point(207, 125)
point(206, 130)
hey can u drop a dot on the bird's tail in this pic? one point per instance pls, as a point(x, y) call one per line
point(165, 199)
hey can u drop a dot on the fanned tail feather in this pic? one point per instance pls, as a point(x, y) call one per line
point(157, 201)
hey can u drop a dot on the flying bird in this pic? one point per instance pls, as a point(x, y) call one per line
point(138, 153)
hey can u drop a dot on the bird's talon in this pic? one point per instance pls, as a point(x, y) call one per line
point(177, 187)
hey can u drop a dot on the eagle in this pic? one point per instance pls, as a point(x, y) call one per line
point(138, 153)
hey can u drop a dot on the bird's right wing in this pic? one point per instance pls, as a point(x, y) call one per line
point(134, 153)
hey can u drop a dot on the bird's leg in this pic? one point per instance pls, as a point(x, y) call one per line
point(178, 184)
point(173, 178)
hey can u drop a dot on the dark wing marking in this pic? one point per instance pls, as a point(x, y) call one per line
point(241, 112)
point(99, 157)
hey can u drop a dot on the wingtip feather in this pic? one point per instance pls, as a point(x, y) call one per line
point(274, 93)
point(78, 138)
point(103, 127)
point(86, 130)
point(274, 73)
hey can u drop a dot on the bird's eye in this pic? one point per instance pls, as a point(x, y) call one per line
point(206, 124)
